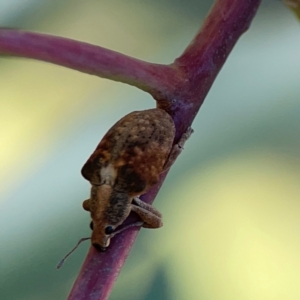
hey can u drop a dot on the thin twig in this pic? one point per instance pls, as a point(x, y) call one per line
point(87, 58)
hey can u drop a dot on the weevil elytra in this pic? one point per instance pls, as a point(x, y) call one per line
point(125, 164)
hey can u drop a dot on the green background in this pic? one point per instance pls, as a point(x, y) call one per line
point(231, 203)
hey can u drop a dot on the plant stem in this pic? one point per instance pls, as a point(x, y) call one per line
point(179, 88)
point(201, 63)
point(86, 58)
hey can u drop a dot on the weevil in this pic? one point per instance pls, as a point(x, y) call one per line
point(126, 164)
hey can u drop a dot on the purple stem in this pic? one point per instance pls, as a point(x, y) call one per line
point(87, 58)
point(201, 63)
point(203, 59)
point(179, 88)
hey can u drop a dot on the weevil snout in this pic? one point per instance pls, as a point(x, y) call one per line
point(100, 240)
point(99, 247)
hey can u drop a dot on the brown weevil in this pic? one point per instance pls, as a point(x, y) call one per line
point(126, 164)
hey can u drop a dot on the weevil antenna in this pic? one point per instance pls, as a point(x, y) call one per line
point(69, 253)
point(139, 224)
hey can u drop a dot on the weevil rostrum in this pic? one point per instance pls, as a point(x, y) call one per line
point(126, 164)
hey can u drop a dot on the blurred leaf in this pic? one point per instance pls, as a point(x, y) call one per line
point(294, 6)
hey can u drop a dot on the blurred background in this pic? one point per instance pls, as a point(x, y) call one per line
point(231, 203)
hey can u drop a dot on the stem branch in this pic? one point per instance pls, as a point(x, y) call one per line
point(179, 88)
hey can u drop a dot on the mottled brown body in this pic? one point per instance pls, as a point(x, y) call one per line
point(125, 164)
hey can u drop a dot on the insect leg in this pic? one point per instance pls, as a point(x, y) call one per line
point(146, 206)
point(149, 215)
point(177, 149)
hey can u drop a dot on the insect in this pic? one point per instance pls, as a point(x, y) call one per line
point(126, 164)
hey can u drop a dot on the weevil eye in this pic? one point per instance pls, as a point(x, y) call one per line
point(109, 230)
point(92, 225)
